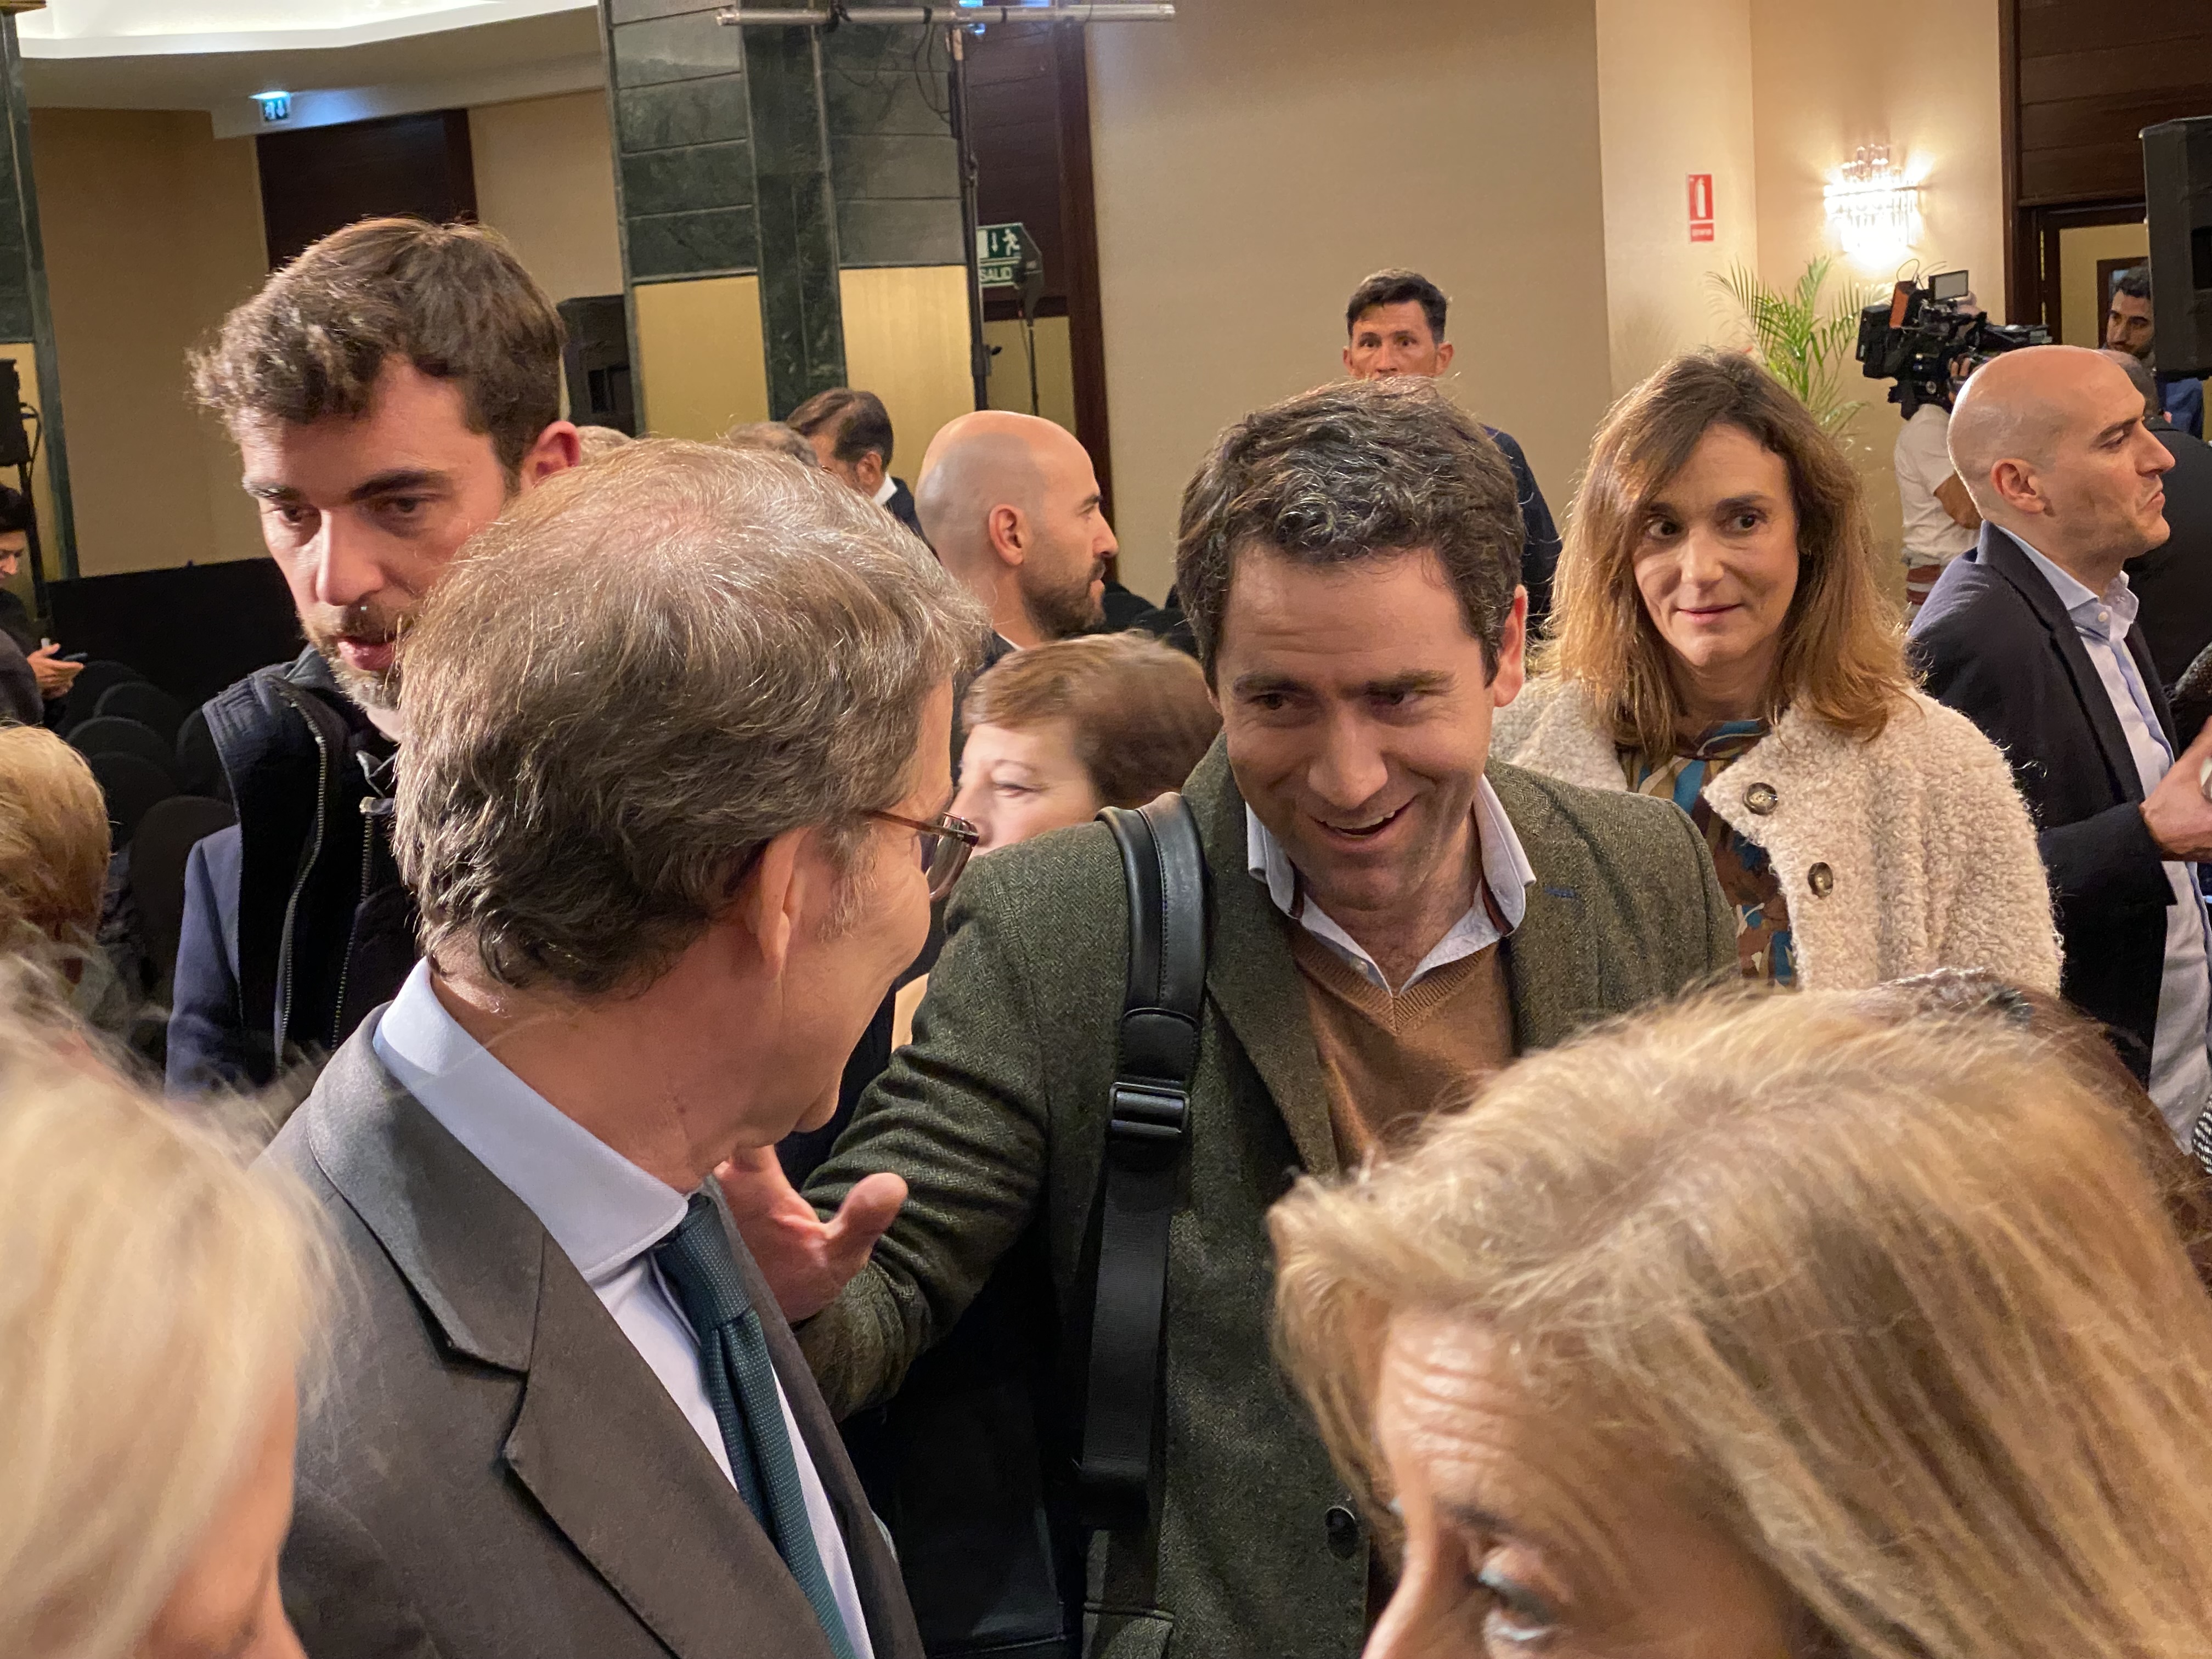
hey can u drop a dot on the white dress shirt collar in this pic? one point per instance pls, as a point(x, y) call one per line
point(601, 1209)
point(1505, 872)
point(885, 490)
point(2111, 613)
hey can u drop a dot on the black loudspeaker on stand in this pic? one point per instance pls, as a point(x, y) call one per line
point(2177, 189)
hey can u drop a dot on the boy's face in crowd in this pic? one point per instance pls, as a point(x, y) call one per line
point(1394, 340)
point(1357, 707)
point(363, 515)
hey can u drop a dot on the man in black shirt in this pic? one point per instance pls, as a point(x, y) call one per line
point(52, 674)
point(1395, 325)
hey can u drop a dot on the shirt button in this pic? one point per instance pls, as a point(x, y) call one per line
point(1341, 1527)
point(1761, 798)
point(1821, 880)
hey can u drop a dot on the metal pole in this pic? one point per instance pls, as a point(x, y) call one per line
point(979, 352)
point(1082, 12)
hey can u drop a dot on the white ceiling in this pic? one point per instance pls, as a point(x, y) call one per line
point(341, 60)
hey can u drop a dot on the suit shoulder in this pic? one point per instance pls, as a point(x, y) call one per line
point(1608, 823)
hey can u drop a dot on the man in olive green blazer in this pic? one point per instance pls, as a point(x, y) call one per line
point(1349, 797)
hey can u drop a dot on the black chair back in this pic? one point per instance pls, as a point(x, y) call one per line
point(158, 853)
point(111, 734)
point(149, 705)
point(93, 682)
point(199, 767)
point(132, 785)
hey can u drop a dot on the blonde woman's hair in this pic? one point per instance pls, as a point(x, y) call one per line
point(53, 835)
point(1894, 1305)
point(1842, 651)
point(157, 1293)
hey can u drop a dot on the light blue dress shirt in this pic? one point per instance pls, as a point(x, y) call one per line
point(605, 1213)
point(1506, 871)
point(2180, 1071)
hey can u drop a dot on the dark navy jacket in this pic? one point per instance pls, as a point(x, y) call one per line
point(295, 925)
point(1996, 644)
point(1539, 537)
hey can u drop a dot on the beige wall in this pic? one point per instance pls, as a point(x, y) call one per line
point(1676, 97)
point(1255, 158)
point(700, 368)
point(152, 231)
point(1919, 76)
point(906, 340)
point(545, 177)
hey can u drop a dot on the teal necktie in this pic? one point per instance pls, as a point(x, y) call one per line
point(740, 1383)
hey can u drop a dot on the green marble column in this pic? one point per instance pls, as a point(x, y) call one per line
point(802, 323)
point(25, 317)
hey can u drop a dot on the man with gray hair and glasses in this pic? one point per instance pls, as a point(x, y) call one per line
point(673, 814)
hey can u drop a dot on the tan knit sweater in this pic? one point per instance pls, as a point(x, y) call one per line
point(1389, 1060)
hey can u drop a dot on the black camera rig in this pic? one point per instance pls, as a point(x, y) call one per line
point(1928, 338)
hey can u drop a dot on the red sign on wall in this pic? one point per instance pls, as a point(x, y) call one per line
point(1701, 207)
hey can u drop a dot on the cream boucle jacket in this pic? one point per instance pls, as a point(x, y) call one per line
point(1929, 858)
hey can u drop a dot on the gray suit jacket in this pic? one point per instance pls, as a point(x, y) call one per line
point(490, 1470)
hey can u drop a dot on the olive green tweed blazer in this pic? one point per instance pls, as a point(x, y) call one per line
point(996, 1116)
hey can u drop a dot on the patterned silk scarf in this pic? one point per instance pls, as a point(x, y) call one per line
point(1746, 875)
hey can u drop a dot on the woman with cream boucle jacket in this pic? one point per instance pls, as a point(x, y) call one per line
point(1931, 858)
point(1718, 639)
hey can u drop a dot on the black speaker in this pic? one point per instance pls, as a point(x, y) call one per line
point(2178, 188)
point(596, 362)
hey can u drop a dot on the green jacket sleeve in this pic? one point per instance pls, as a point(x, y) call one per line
point(962, 1115)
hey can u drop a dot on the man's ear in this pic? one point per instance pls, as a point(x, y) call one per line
point(1008, 529)
point(2017, 487)
point(768, 901)
point(870, 469)
point(557, 450)
point(1512, 670)
point(1443, 356)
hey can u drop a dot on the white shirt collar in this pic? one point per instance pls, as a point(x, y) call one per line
point(885, 490)
point(2083, 605)
point(1505, 870)
point(602, 1210)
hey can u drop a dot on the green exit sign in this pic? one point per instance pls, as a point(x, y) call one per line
point(998, 249)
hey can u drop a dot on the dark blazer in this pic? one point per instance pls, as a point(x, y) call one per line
point(21, 702)
point(901, 507)
point(1539, 537)
point(2174, 579)
point(1997, 644)
point(492, 1472)
point(996, 1117)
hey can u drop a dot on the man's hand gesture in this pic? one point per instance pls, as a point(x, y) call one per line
point(2179, 816)
point(805, 1260)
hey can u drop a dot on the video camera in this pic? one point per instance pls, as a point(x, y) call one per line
point(1926, 328)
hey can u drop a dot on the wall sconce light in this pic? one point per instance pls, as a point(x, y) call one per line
point(274, 106)
point(1874, 208)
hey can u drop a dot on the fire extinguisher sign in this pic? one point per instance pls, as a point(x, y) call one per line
point(1701, 207)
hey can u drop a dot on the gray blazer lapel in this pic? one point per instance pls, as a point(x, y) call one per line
point(597, 1441)
point(1549, 972)
point(1249, 973)
point(618, 1470)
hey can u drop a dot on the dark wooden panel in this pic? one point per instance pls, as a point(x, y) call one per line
point(318, 180)
point(2084, 173)
point(2116, 117)
point(2182, 67)
point(2048, 27)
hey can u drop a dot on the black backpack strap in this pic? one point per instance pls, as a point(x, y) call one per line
point(1146, 1136)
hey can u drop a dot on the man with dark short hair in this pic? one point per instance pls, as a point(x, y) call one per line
point(561, 1415)
point(1395, 325)
point(390, 392)
point(2131, 326)
point(1392, 914)
point(851, 434)
point(53, 674)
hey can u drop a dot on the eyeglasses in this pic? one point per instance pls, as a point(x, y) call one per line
point(946, 842)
